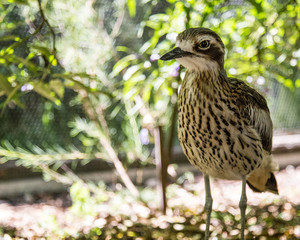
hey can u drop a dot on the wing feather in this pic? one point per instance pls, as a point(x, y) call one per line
point(254, 107)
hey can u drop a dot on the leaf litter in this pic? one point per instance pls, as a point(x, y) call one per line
point(51, 216)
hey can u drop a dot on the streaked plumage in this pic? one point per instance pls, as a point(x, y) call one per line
point(225, 127)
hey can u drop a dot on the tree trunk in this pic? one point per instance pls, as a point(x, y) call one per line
point(161, 167)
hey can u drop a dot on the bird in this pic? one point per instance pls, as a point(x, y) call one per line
point(224, 125)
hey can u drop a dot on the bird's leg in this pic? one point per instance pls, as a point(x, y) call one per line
point(243, 205)
point(208, 205)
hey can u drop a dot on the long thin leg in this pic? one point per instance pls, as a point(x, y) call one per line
point(208, 205)
point(243, 205)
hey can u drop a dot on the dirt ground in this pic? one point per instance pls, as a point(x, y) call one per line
point(33, 216)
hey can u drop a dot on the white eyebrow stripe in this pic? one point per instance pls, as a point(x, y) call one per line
point(206, 37)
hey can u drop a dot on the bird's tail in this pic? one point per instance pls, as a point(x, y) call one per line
point(262, 179)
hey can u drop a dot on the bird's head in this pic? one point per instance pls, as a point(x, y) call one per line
point(198, 49)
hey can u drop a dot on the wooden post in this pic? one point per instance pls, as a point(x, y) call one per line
point(161, 167)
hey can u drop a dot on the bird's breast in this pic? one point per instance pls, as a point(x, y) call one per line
point(213, 134)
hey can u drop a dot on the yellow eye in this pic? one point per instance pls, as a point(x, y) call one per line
point(204, 44)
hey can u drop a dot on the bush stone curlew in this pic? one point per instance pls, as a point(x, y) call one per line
point(225, 128)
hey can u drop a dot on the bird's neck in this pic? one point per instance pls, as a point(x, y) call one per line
point(207, 82)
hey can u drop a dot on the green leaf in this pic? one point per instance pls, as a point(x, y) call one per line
point(8, 38)
point(44, 90)
point(12, 96)
point(58, 87)
point(52, 60)
point(269, 57)
point(5, 85)
point(131, 4)
point(121, 64)
point(145, 47)
point(43, 50)
point(122, 49)
point(31, 66)
point(286, 82)
point(147, 92)
point(153, 24)
point(25, 2)
point(289, 83)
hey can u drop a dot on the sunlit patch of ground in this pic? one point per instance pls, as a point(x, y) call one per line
point(269, 216)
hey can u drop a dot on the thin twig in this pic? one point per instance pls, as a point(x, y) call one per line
point(118, 166)
point(105, 141)
point(16, 44)
point(70, 173)
point(161, 166)
point(49, 26)
point(117, 25)
point(55, 175)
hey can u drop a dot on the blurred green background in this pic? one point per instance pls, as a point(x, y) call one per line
point(81, 80)
point(80, 65)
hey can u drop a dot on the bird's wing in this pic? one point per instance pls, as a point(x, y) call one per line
point(254, 107)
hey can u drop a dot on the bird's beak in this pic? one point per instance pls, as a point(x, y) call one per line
point(175, 53)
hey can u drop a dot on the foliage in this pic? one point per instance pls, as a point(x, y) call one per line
point(49, 77)
point(86, 197)
point(102, 58)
